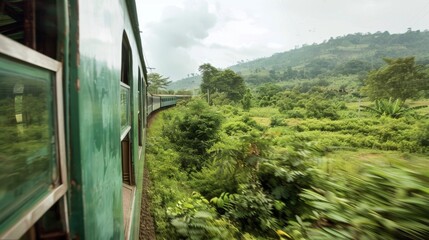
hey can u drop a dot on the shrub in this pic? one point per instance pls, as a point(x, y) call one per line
point(287, 173)
point(194, 218)
point(422, 135)
point(277, 120)
point(251, 209)
point(320, 108)
point(192, 133)
point(378, 203)
point(296, 113)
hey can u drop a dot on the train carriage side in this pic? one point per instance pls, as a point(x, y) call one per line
point(168, 100)
point(108, 106)
point(156, 102)
point(88, 157)
point(149, 104)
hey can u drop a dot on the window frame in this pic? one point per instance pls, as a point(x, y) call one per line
point(127, 81)
point(126, 129)
point(18, 52)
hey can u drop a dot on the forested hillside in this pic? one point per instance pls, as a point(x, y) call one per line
point(351, 55)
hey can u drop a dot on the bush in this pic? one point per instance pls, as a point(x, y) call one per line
point(193, 133)
point(287, 173)
point(277, 120)
point(377, 203)
point(422, 135)
point(319, 108)
point(194, 218)
point(251, 209)
point(296, 113)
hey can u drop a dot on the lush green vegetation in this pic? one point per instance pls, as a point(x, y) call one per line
point(238, 176)
point(306, 158)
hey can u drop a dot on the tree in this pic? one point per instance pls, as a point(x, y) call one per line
point(247, 100)
point(157, 82)
point(226, 81)
point(400, 79)
point(208, 72)
point(231, 83)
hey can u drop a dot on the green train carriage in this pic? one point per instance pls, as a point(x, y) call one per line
point(73, 111)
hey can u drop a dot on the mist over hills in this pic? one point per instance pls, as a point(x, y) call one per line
point(353, 54)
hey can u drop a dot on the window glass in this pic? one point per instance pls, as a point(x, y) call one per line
point(27, 140)
point(125, 108)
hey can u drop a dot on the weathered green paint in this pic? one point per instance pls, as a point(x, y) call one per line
point(96, 29)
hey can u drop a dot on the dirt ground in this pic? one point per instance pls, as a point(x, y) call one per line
point(147, 226)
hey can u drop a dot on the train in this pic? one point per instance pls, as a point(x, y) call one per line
point(73, 119)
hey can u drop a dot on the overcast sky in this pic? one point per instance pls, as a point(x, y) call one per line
point(180, 35)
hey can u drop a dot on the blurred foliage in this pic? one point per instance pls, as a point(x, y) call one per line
point(377, 203)
point(274, 181)
point(194, 218)
point(251, 209)
point(287, 173)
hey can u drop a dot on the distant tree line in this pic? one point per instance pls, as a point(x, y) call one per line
point(352, 54)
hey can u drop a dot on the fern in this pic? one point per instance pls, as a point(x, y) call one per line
point(194, 218)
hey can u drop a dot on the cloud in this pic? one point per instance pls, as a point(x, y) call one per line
point(184, 34)
point(184, 27)
point(180, 28)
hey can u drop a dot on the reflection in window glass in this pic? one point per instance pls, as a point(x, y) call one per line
point(27, 140)
point(125, 107)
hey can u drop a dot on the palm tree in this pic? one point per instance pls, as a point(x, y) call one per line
point(394, 109)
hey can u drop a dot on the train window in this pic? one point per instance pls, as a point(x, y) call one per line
point(140, 119)
point(31, 23)
point(125, 108)
point(126, 114)
point(145, 101)
point(32, 148)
